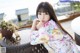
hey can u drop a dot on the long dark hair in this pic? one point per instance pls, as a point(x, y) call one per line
point(46, 7)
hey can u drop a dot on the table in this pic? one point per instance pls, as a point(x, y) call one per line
point(24, 46)
point(75, 25)
point(25, 35)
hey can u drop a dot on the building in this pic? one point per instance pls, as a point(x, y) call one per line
point(63, 8)
point(32, 17)
point(22, 14)
point(1, 16)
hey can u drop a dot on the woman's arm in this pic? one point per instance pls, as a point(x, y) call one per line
point(35, 22)
point(43, 34)
point(36, 38)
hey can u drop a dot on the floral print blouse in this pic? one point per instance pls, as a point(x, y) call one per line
point(53, 39)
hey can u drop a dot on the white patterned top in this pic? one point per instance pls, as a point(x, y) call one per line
point(53, 39)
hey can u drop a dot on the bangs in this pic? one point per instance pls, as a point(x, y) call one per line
point(43, 10)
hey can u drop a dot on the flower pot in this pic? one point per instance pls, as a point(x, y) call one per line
point(6, 33)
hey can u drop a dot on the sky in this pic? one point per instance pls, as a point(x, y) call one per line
point(10, 6)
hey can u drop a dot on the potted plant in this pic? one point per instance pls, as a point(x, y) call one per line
point(7, 30)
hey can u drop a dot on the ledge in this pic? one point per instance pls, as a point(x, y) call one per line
point(61, 18)
point(70, 17)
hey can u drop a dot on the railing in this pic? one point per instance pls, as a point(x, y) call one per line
point(70, 17)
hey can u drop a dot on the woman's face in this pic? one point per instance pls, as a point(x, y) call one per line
point(43, 16)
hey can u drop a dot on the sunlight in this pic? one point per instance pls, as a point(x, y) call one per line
point(9, 7)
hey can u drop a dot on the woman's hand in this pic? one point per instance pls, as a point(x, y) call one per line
point(39, 25)
point(35, 22)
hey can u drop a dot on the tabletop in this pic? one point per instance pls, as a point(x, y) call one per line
point(75, 25)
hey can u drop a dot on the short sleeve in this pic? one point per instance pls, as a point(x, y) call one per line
point(52, 30)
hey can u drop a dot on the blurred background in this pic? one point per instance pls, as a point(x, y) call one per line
point(22, 12)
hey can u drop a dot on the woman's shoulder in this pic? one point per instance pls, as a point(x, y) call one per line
point(50, 25)
point(52, 22)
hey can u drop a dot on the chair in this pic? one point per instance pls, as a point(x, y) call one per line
point(26, 48)
point(77, 39)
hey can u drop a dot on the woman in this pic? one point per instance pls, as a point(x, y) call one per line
point(47, 30)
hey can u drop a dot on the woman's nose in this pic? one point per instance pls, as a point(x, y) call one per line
point(43, 15)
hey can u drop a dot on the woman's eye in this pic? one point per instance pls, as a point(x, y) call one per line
point(39, 13)
point(46, 13)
